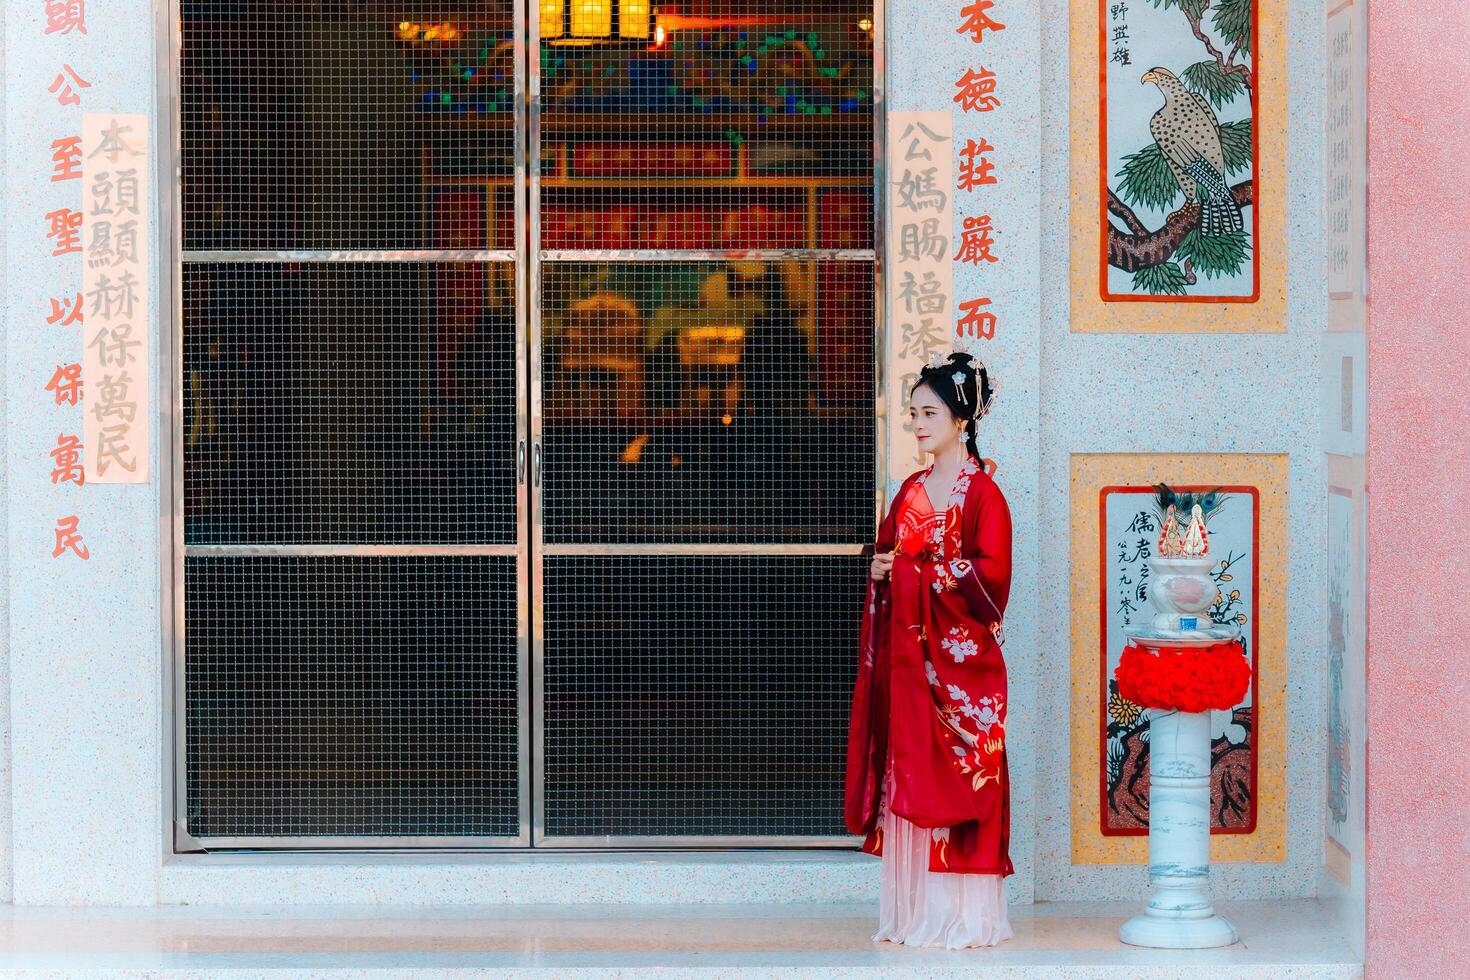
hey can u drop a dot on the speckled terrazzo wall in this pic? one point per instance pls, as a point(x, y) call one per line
point(5, 204)
point(1249, 393)
point(84, 653)
point(1253, 391)
point(85, 662)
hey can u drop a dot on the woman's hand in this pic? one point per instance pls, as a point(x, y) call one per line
point(882, 565)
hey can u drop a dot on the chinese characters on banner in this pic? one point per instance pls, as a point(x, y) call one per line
point(1130, 529)
point(114, 246)
point(1344, 166)
point(62, 232)
point(942, 165)
point(977, 94)
point(977, 170)
point(920, 273)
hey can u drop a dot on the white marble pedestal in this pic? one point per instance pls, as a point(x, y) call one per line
point(1179, 916)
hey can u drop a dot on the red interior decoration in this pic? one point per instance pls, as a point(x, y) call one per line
point(1184, 678)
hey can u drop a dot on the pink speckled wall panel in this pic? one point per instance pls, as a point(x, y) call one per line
point(1418, 848)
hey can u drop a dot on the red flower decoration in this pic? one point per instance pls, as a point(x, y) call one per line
point(1184, 678)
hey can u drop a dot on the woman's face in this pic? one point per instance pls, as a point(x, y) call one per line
point(934, 425)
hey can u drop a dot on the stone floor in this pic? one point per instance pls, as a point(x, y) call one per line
point(1280, 940)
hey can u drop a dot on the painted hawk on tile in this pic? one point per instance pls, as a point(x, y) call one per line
point(1188, 134)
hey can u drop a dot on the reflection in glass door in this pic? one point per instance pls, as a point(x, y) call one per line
point(524, 440)
point(349, 429)
point(703, 362)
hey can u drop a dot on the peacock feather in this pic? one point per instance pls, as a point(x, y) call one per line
point(1210, 501)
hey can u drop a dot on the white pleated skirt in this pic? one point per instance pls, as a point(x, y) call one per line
point(919, 907)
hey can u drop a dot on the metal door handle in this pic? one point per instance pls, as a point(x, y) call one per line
point(521, 462)
point(536, 463)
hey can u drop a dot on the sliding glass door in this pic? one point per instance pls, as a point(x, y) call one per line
point(524, 442)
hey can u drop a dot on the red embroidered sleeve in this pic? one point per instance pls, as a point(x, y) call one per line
point(984, 575)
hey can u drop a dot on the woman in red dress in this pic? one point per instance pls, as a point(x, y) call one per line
point(927, 785)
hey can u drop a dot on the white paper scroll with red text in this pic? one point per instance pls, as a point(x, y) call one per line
point(920, 276)
point(115, 412)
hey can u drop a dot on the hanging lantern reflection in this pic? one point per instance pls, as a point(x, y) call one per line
point(589, 21)
point(416, 33)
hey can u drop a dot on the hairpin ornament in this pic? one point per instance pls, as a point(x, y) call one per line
point(959, 387)
point(983, 409)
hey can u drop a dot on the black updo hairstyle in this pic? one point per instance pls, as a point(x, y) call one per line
point(974, 386)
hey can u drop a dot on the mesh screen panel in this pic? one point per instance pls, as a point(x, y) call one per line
point(708, 402)
point(368, 403)
point(722, 124)
point(321, 124)
point(698, 695)
point(369, 398)
point(352, 695)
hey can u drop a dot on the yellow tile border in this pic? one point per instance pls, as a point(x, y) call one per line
point(1336, 859)
point(1090, 473)
point(1268, 314)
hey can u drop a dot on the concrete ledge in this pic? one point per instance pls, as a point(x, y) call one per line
point(479, 878)
point(1292, 940)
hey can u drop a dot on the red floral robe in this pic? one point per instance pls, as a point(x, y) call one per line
point(931, 685)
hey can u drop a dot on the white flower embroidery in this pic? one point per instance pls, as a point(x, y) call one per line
point(933, 675)
point(959, 644)
point(984, 716)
